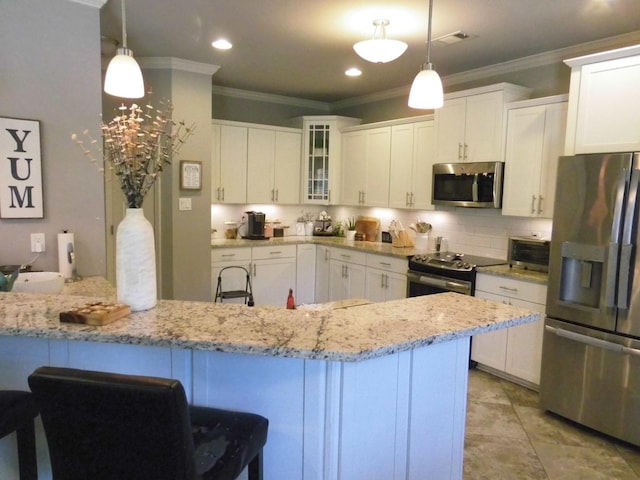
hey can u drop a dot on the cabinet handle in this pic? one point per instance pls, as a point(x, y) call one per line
point(253, 266)
point(384, 264)
point(533, 204)
point(540, 204)
point(346, 271)
point(223, 194)
point(363, 197)
point(459, 151)
point(510, 289)
point(228, 255)
point(465, 150)
point(275, 252)
point(329, 196)
point(326, 254)
point(272, 195)
point(218, 193)
point(386, 281)
point(277, 194)
point(382, 280)
point(406, 198)
point(412, 200)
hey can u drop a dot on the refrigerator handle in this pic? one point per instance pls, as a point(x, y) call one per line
point(614, 244)
point(591, 341)
point(626, 247)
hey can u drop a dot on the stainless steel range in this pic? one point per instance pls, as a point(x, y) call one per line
point(440, 272)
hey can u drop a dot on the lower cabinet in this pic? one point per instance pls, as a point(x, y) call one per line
point(386, 278)
point(323, 263)
point(305, 273)
point(515, 352)
point(231, 278)
point(273, 273)
point(346, 274)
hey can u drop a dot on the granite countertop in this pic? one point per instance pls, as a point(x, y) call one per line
point(341, 331)
point(516, 273)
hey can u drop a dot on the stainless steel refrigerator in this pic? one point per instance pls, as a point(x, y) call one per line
point(591, 350)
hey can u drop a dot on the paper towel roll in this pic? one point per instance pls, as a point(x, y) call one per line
point(66, 255)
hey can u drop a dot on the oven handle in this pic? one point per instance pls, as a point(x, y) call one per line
point(443, 283)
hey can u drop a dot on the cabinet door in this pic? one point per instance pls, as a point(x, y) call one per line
point(423, 160)
point(230, 279)
point(378, 157)
point(396, 286)
point(338, 288)
point(483, 128)
point(402, 160)
point(450, 125)
point(287, 167)
point(555, 127)
point(233, 164)
point(272, 279)
point(318, 163)
point(375, 290)
point(354, 152)
point(323, 258)
point(608, 117)
point(261, 165)
point(524, 346)
point(490, 348)
point(305, 273)
point(355, 280)
point(523, 160)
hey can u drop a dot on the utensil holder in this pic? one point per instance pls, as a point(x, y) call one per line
point(402, 240)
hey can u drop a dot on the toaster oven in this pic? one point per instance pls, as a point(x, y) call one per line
point(529, 252)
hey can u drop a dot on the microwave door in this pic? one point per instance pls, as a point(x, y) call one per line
point(591, 197)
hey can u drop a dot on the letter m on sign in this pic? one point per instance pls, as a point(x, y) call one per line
point(20, 169)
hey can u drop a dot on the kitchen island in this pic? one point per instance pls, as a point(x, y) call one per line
point(352, 390)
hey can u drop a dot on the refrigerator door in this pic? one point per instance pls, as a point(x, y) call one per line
point(591, 377)
point(591, 194)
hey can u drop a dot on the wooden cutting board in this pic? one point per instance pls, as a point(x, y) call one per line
point(95, 313)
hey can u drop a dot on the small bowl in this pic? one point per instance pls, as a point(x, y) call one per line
point(38, 282)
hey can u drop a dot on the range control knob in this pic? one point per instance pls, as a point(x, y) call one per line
point(467, 266)
point(458, 264)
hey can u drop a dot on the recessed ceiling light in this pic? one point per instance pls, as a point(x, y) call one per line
point(353, 72)
point(222, 44)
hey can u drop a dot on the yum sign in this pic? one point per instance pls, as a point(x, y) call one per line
point(20, 169)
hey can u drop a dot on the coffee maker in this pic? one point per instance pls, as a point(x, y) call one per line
point(255, 225)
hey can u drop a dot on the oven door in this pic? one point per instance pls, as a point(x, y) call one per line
point(419, 283)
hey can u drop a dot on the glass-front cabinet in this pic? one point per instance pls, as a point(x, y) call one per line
point(321, 157)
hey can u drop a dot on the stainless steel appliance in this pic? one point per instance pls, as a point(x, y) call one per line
point(591, 350)
point(255, 226)
point(440, 272)
point(473, 184)
point(530, 253)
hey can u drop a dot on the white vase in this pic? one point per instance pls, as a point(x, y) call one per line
point(136, 262)
point(351, 235)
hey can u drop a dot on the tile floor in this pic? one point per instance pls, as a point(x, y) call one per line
point(509, 438)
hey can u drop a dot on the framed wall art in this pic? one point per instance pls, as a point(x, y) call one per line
point(20, 169)
point(190, 175)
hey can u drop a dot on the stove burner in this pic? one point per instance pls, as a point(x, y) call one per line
point(452, 261)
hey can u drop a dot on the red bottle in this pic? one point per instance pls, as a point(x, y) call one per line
point(291, 303)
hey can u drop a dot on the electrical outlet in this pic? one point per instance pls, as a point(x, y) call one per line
point(37, 243)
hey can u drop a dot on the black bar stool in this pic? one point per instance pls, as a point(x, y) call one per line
point(106, 425)
point(17, 413)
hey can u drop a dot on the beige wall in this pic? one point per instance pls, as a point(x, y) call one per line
point(50, 58)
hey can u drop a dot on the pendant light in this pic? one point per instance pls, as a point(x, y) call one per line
point(380, 49)
point(124, 77)
point(426, 90)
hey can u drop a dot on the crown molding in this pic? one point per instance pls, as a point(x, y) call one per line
point(91, 3)
point(270, 98)
point(173, 63)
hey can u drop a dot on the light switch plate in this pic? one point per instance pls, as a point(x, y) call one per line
point(184, 203)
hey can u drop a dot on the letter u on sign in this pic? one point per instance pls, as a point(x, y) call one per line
point(20, 169)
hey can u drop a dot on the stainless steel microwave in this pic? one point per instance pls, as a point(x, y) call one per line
point(477, 184)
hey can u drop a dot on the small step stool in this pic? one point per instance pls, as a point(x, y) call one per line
point(247, 293)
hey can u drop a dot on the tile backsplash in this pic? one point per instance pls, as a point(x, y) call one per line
point(483, 232)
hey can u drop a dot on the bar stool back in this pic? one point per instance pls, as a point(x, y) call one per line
point(17, 412)
point(105, 425)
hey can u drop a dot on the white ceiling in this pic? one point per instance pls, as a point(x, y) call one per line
point(301, 48)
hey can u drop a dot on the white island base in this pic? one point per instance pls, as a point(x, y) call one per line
point(398, 416)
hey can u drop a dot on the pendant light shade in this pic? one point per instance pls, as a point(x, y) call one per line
point(380, 49)
point(426, 89)
point(124, 77)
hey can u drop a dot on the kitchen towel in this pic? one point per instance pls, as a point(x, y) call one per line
point(66, 256)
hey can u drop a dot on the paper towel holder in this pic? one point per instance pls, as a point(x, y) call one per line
point(67, 257)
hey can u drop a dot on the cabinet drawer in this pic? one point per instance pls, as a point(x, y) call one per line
point(275, 251)
point(512, 288)
point(230, 254)
point(351, 256)
point(387, 263)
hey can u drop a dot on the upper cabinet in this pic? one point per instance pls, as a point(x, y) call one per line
point(273, 166)
point(604, 105)
point(412, 146)
point(469, 126)
point(321, 149)
point(366, 158)
point(535, 140)
point(229, 172)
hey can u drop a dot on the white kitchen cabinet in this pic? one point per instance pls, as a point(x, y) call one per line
point(322, 273)
point(321, 152)
point(346, 274)
point(305, 273)
point(273, 273)
point(604, 106)
point(535, 140)
point(232, 279)
point(469, 126)
point(386, 278)
point(273, 165)
point(412, 155)
point(229, 172)
point(515, 352)
point(366, 157)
